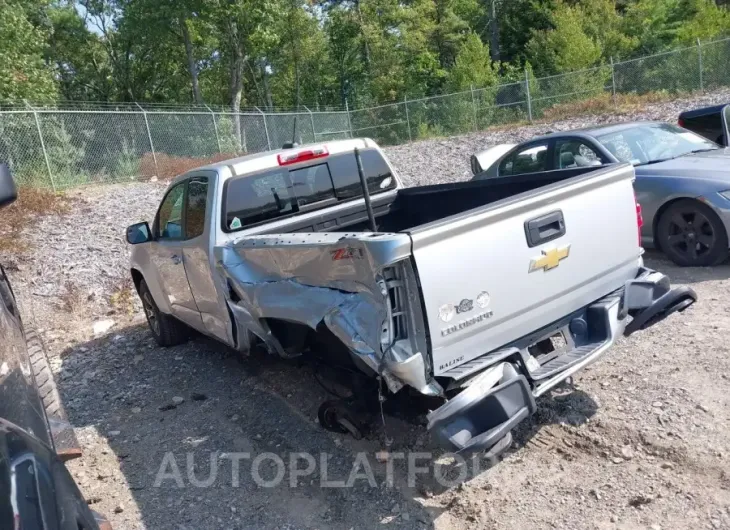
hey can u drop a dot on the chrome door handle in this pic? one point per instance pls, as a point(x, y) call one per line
point(177, 260)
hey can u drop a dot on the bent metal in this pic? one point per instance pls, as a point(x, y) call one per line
point(466, 323)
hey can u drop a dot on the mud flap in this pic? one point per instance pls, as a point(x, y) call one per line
point(482, 415)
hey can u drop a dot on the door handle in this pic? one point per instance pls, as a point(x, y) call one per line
point(545, 228)
point(177, 260)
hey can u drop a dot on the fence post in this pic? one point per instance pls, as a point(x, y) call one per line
point(527, 91)
point(699, 53)
point(476, 110)
point(613, 82)
point(311, 119)
point(149, 136)
point(349, 123)
point(215, 126)
point(266, 128)
point(43, 145)
point(408, 118)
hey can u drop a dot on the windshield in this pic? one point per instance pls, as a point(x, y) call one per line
point(653, 142)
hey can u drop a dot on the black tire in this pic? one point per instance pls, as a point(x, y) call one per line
point(44, 376)
point(337, 416)
point(692, 235)
point(167, 330)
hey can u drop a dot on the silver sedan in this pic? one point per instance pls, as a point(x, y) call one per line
point(682, 180)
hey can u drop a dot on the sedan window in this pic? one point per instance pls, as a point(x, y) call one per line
point(575, 153)
point(531, 159)
point(654, 142)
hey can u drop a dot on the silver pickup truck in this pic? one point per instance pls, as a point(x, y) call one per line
point(482, 295)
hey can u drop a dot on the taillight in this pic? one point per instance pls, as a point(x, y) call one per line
point(302, 156)
point(680, 122)
point(639, 218)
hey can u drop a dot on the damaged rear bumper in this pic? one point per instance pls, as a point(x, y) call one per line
point(499, 398)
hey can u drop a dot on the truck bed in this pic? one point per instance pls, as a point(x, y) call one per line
point(409, 208)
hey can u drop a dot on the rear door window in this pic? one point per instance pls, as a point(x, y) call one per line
point(572, 152)
point(530, 159)
point(253, 199)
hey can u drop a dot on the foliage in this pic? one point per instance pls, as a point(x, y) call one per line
point(324, 55)
point(289, 53)
point(23, 72)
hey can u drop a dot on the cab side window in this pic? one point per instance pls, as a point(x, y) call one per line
point(195, 207)
point(169, 217)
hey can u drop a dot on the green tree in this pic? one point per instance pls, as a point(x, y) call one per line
point(566, 47)
point(24, 73)
point(473, 66)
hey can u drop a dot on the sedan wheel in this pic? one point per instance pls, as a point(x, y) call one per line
point(691, 234)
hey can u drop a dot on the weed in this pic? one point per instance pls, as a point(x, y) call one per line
point(32, 203)
point(123, 297)
point(72, 299)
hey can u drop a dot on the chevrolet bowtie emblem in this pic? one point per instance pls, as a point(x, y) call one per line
point(550, 259)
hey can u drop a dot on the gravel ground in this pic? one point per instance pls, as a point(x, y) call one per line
point(640, 440)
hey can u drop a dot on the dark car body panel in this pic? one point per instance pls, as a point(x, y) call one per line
point(19, 400)
point(711, 122)
point(36, 490)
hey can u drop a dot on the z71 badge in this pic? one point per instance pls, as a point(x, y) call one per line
point(347, 253)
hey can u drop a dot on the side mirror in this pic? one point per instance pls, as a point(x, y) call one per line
point(139, 233)
point(8, 193)
point(476, 167)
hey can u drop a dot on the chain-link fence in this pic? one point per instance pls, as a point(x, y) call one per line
point(71, 145)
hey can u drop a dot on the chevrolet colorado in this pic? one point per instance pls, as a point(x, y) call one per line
point(483, 295)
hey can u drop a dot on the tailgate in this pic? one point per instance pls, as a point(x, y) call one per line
point(493, 275)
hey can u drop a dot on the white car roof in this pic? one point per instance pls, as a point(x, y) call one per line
point(489, 156)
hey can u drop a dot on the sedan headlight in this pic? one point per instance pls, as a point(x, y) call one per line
point(725, 194)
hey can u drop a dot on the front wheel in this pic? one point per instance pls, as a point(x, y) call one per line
point(167, 330)
point(692, 235)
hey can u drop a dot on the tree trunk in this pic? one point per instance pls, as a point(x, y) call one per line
point(365, 45)
point(192, 67)
point(235, 87)
point(494, 50)
point(269, 100)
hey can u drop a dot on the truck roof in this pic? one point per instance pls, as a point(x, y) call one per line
point(269, 159)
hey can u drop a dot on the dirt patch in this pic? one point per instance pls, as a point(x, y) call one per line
point(32, 204)
point(169, 166)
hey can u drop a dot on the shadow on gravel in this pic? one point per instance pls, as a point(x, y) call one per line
point(687, 275)
point(221, 458)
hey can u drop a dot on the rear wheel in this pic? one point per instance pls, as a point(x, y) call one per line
point(692, 235)
point(167, 330)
